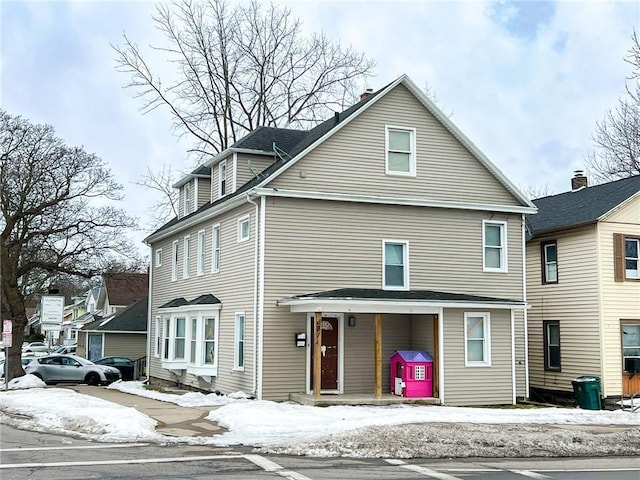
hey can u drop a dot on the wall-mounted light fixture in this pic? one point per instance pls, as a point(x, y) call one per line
point(352, 321)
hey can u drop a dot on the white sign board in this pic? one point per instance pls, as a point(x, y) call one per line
point(51, 310)
point(6, 339)
point(7, 326)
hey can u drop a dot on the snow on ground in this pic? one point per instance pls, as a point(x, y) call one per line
point(400, 431)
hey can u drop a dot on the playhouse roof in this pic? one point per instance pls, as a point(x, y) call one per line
point(414, 355)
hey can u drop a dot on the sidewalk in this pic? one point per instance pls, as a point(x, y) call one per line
point(172, 419)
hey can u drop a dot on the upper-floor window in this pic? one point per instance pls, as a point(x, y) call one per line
point(551, 339)
point(187, 199)
point(215, 249)
point(395, 265)
point(187, 257)
point(494, 241)
point(174, 261)
point(222, 178)
point(158, 257)
point(201, 254)
point(626, 253)
point(549, 252)
point(401, 150)
point(477, 342)
point(244, 228)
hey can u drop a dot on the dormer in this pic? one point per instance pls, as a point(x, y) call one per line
point(193, 190)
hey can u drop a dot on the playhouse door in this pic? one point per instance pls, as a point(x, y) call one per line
point(329, 360)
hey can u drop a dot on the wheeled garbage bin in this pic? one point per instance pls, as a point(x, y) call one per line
point(587, 391)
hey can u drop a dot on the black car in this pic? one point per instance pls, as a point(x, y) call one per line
point(124, 364)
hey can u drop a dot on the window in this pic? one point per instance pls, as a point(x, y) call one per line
point(187, 199)
point(186, 257)
point(494, 241)
point(626, 253)
point(244, 228)
point(549, 252)
point(178, 340)
point(222, 178)
point(551, 338)
point(165, 338)
point(418, 372)
point(158, 257)
point(193, 339)
point(401, 151)
point(477, 339)
point(215, 249)
point(239, 344)
point(200, 260)
point(209, 342)
point(395, 259)
point(631, 347)
point(157, 343)
point(174, 262)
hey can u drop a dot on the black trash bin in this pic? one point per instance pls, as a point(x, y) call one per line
point(588, 392)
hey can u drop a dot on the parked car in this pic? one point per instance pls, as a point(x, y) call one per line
point(53, 369)
point(124, 364)
point(25, 361)
point(62, 349)
point(34, 347)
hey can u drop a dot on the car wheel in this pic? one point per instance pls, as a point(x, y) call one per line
point(93, 379)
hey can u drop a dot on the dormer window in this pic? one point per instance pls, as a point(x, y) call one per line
point(187, 199)
point(222, 178)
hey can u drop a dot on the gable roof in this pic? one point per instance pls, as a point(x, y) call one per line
point(125, 288)
point(262, 140)
point(580, 207)
point(131, 319)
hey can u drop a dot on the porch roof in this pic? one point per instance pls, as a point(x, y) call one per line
point(372, 300)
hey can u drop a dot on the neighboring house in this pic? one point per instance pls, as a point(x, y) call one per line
point(382, 229)
point(583, 284)
point(119, 290)
point(72, 312)
point(123, 333)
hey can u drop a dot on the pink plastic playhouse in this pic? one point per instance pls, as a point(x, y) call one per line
point(412, 374)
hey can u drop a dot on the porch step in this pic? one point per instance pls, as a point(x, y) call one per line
point(359, 399)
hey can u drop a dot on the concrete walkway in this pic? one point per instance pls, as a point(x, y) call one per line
point(172, 419)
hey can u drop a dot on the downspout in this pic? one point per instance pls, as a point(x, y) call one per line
point(525, 311)
point(149, 312)
point(255, 298)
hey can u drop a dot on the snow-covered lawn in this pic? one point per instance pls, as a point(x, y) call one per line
point(403, 430)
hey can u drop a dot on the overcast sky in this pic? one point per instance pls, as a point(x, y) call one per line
point(525, 81)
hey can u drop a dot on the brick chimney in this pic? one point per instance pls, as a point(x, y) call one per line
point(366, 94)
point(579, 180)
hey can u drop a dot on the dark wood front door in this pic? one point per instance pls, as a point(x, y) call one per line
point(329, 355)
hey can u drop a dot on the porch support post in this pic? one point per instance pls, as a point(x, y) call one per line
point(378, 356)
point(317, 354)
point(436, 356)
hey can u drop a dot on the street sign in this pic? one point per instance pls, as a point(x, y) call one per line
point(6, 339)
point(51, 309)
point(51, 327)
point(7, 326)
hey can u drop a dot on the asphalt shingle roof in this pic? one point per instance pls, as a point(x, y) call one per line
point(580, 207)
point(425, 295)
point(125, 288)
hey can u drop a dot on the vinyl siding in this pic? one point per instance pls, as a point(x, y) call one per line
point(520, 355)
point(352, 161)
point(249, 166)
point(573, 301)
point(318, 245)
point(232, 285)
point(477, 385)
point(620, 300)
point(204, 191)
point(132, 345)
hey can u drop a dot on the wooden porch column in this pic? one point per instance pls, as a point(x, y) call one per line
point(317, 355)
point(377, 343)
point(436, 355)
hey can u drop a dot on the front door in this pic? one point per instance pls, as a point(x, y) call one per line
point(329, 353)
point(94, 348)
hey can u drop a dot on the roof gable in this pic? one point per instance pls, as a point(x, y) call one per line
point(125, 288)
point(131, 319)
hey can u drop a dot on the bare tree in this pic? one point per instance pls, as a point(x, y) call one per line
point(535, 191)
point(241, 67)
point(56, 218)
point(166, 206)
point(617, 136)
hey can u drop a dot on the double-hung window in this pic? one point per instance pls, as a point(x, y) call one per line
point(157, 344)
point(215, 249)
point(222, 178)
point(201, 252)
point(494, 241)
point(179, 337)
point(193, 339)
point(395, 265)
point(158, 257)
point(209, 341)
point(166, 335)
point(551, 340)
point(244, 228)
point(400, 151)
point(632, 257)
point(549, 252)
point(187, 257)
point(174, 262)
point(477, 340)
point(187, 199)
point(238, 363)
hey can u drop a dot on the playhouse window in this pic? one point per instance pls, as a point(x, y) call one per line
point(418, 372)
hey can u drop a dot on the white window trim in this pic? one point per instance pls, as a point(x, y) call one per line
point(486, 323)
point(201, 252)
point(412, 156)
point(503, 251)
point(405, 260)
point(174, 261)
point(186, 260)
point(236, 351)
point(222, 168)
point(158, 257)
point(215, 238)
point(241, 220)
point(157, 338)
point(631, 274)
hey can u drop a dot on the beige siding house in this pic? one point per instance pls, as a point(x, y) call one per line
point(584, 289)
point(382, 229)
